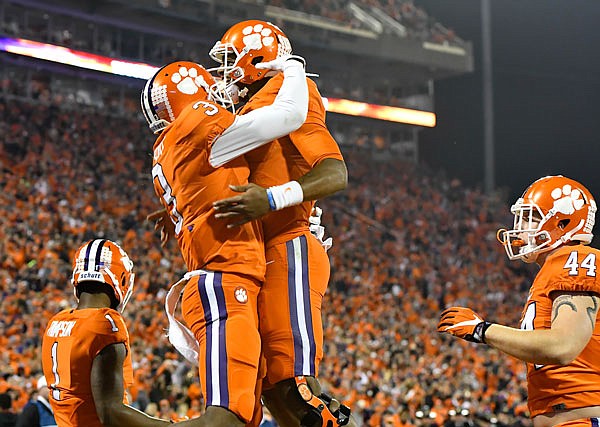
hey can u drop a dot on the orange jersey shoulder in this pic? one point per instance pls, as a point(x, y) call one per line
point(312, 140)
point(570, 268)
point(71, 341)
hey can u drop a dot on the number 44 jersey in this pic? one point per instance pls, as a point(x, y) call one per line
point(73, 338)
point(553, 388)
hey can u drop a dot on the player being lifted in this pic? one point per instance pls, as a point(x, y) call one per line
point(197, 155)
point(286, 175)
point(560, 331)
point(85, 350)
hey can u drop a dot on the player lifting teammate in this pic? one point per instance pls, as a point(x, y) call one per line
point(286, 175)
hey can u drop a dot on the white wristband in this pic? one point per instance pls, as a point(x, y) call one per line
point(282, 196)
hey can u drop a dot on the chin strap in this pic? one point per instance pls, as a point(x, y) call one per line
point(320, 414)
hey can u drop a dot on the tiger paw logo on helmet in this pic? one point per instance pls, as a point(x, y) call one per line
point(567, 200)
point(188, 81)
point(258, 36)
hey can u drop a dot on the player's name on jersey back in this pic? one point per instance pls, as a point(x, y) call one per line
point(60, 328)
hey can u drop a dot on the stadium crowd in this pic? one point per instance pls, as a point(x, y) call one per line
point(407, 242)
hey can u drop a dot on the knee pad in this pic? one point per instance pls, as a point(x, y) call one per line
point(319, 413)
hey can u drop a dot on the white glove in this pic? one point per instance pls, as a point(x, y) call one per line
point(281, 63)
point(231, 91)
point(317, 229)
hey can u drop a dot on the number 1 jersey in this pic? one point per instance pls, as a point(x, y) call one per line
point(73, 338)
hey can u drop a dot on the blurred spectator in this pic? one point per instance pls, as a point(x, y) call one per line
point(7, 417)
point(107, 39)
point(165, 410)
point(196, 409)
point(38, 412)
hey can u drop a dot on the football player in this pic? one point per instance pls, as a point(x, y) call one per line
point(198, 155)
point(286, 176)
point(86, 356)
point(559, 336)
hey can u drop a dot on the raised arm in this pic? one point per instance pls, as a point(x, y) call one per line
point(285, 115)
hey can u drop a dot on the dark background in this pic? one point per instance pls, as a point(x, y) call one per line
point(546, 80)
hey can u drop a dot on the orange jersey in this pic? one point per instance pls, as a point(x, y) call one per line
point(73, 338)
point(187, 185)
point(583, 422)
point(289, 158)
point(554, 388)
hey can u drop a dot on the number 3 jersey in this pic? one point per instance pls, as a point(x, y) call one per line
point(187, 185)
point(73, 338)
point(554, 388)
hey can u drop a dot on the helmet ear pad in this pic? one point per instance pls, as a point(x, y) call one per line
point(562, 224)
point(257, 60)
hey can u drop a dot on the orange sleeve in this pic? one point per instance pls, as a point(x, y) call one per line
point(265, 96)
point(313, 140)
point(573, 271)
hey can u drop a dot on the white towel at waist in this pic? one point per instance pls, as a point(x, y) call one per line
point(180, 336)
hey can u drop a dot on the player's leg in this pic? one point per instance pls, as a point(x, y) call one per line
point(291, 326)
point(257, 415)
point(221, 310)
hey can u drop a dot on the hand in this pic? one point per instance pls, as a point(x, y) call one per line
point(462, 322)
point(162, 222)
point(251, 204)
point(281, 63)
point(317, 229)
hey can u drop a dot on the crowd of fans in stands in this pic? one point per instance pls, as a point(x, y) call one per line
point(407, 243)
